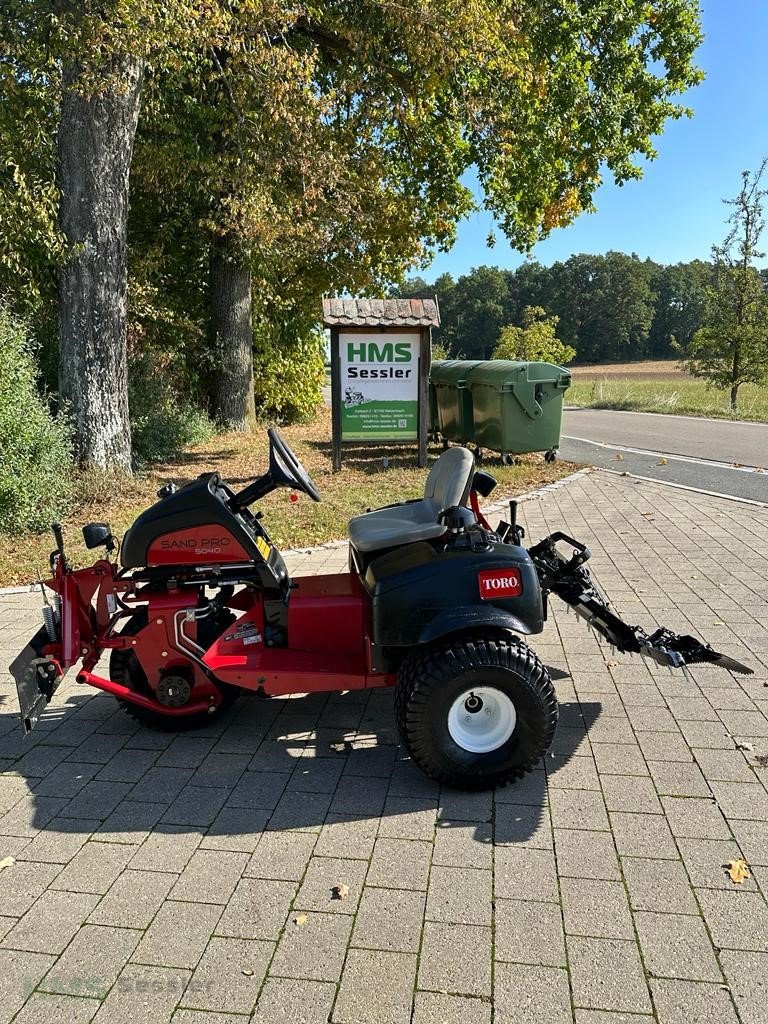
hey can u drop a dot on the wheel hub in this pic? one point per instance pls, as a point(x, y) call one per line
point(482, 719)
point(173, 691)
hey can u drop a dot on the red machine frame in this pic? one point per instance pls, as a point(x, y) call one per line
point(329, 637)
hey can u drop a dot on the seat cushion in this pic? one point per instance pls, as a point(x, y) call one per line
point(400, 524)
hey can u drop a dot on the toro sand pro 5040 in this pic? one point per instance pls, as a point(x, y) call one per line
point(435, 603)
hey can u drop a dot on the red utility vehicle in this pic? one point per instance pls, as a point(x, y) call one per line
point(435, 603)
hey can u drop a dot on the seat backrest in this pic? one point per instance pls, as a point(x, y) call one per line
point(449, 479)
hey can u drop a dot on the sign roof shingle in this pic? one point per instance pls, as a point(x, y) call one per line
point(381, 313)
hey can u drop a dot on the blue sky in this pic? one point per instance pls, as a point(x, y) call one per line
point(675, 212)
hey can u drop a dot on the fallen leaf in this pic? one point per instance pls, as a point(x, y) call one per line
point(340, 891)
point(661, 462)
point(738, 870)
point(300, 920)
point(744, 745)
point(247, 972)
point(761, 760)
point(618, 457)
point(341, 748)
point(6, 862)
point(611, 664)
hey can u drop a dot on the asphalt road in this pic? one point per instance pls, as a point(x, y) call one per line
point(714, 455)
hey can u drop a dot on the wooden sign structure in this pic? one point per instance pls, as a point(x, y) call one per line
point(380, 358)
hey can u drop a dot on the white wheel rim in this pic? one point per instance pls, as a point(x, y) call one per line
point(481, 719)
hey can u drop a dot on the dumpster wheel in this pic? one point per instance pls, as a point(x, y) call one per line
point(551, 455)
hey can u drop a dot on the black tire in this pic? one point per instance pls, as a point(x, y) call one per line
point(124, 668)
point(432, 680)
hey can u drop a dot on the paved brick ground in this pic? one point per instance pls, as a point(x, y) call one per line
point(188, 879)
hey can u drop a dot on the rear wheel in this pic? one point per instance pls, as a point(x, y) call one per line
point(476, 712)
point(124, 668)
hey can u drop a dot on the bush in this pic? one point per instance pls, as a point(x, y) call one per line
point(289, 373)
point(535, 342)
point(35, 446)
point(162, 423)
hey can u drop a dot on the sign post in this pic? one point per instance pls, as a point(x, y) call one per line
point(380, 357)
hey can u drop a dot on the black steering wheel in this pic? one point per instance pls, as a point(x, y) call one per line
point(285, 469)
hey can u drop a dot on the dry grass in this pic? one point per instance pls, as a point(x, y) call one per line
point(660, 386)
point(651, 369)
point(364, 482)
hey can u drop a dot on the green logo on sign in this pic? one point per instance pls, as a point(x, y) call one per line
point(373, 353)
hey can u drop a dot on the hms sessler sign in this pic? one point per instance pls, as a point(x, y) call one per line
point(379, 386)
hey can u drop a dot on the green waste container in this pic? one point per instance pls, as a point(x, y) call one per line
point(434, 427)
point(517, 406)
point(453, 399)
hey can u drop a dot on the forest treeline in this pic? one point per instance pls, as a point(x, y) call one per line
point(612, 308)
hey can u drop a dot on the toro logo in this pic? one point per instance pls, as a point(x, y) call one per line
point(498, 583)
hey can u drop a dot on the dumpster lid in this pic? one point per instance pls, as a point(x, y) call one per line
point(547, 372)
point(451, 371)
point(498, 373)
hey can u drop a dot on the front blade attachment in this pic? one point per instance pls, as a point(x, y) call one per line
point(572, 582)
point(37, 678)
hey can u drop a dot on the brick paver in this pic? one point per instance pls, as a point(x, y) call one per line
point(188, 879)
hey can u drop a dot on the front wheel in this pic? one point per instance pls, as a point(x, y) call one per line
point(475, 712)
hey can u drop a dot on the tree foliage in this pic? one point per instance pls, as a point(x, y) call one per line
point(535, 340)
point(731, 348)
point(680, 293)
point(289, 371)
point(325, 143)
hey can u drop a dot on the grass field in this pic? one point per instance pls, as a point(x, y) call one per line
point(660, 386)
point(365, 481)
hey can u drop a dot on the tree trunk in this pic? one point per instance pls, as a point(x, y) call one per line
point(232, 337)
point(735, 371)
point(95, 144)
